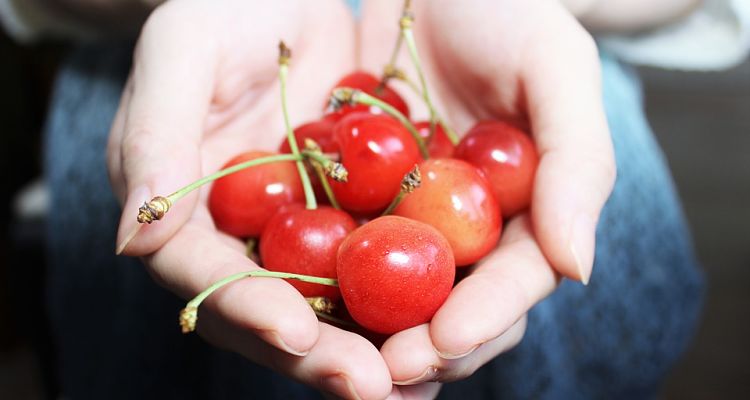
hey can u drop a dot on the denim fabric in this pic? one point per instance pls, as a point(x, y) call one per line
point(116, 330)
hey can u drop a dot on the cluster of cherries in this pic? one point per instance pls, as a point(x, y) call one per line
point(405, 203)
point(393, 271)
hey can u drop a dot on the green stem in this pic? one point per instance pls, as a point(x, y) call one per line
point(394, 203)
point(189, 314)
point(449, 132)
point(326, 186)
point(311, 203)
point(196, 302)
point(358, 96)
point(230, 170)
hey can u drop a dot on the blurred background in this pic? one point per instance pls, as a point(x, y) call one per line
point(701, 120)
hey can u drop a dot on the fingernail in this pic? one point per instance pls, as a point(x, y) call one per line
point(129, 225)
point(429, 375)
point(340, 385)
point(453, 356)
point(280, 343)
point(582, 245)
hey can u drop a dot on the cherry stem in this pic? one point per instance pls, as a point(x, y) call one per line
point(406, 21)
point(155, 209)
point(189, 315)
point(394, 55)
point(354, 96)
point(326, 186)
point(284, 55)
point(412, 180)
point(449, 132)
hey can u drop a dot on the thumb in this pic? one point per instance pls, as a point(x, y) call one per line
point(156, 146)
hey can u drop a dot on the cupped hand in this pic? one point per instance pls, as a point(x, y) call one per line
point(204, 87)
point(532, 63)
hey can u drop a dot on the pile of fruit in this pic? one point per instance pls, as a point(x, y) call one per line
point(403, 204)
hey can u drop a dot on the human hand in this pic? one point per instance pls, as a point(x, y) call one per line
point(203, 87)
point(532, 63)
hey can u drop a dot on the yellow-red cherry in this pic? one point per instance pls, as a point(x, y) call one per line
point(456, 199)
point(394, 273)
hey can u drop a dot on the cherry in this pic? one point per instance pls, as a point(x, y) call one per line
point(321, 131)
point(439, 146)
point(371, 85)
point(306, 242)
point(242, 203)
point(456, 199)
point(394, 273)
point(377, 151)
point(507, 157)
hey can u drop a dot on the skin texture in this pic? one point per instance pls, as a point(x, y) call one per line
point(242, 203)
point(394, 273)
point(306, 242)
point(456, 199)
point(508, 159)
point(506, 60)
point(377, 151)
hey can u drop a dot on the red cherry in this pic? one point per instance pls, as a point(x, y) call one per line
point(321, 131)
point(306, 242)
point(242, 203)
point(440, 146)
point(507, 157)
point(369, 84)
point(394, 273)
point(456, 199)
point(377, 151)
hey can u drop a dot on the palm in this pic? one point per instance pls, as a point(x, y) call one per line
point(529, 62)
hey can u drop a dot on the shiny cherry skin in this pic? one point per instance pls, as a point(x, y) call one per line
point(306, 242)
point(507, 157)
point(440, 146)
point(377, 151)
point(456, 199)
point(321, 131)
point(369, 84)
point(394, 273)
point(242, 203)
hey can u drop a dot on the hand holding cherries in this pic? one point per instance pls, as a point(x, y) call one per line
point(392, 272)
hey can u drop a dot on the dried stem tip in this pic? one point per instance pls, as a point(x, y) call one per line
point(188, 318)
point(285, 53)
point(389, 71)
point(153, 210)
point(411, 180)
point(337, 172)
point(321, 304)
point(406, 20)
point(343, 96)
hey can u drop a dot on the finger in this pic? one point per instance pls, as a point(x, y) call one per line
point(425, 390)
point(196, 257)
point(114, 164)
point(340, 362)
point(425, 365)
point(577, 169)
point(502, 288)
point(172, 81)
